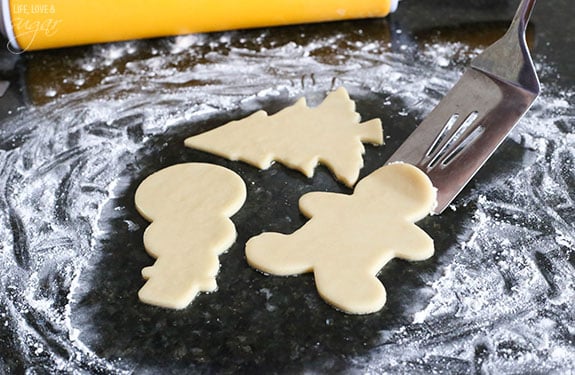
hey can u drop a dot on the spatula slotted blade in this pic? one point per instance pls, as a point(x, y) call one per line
point(476, 115)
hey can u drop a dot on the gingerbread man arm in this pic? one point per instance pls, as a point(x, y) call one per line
point(317, 202)
point(278, 254)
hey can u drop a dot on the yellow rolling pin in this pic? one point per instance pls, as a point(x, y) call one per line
point(40, 24)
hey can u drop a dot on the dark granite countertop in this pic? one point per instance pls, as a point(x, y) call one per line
point(81, 127)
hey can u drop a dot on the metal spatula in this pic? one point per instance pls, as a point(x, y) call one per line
point(470, 122)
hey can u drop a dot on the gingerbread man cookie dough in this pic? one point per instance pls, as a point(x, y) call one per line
point(349, 238)
point(189, 206)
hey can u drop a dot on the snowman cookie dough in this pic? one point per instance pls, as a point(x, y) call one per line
point(349, 238)
point(189, 206)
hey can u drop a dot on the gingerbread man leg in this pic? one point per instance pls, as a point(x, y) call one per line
point(355, 288)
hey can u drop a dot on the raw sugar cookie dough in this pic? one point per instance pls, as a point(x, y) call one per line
point(349, 238)
point(298, 137)
point(189, 206)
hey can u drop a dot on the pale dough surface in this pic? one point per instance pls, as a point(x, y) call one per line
point(298, 137)
point(349, 238)
point(189, 206)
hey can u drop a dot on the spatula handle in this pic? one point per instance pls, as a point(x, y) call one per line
point(522, 15)
point(508, 59)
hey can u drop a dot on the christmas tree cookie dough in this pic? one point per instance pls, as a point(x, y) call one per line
point(298, 137)
point(189, 206)
point(349, 238)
